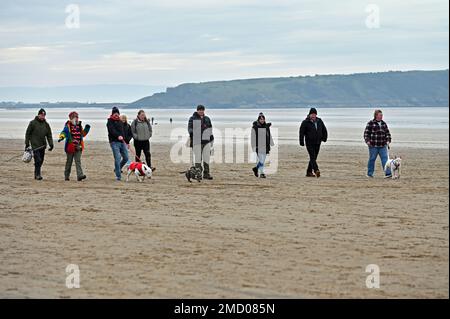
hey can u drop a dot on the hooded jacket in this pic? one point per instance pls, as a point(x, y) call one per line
point(115, 128)
point(205, 124)
point(142, 130)
point(38, 134)
point(258, 128)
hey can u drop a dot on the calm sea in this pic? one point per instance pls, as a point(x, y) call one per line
point(410, 127)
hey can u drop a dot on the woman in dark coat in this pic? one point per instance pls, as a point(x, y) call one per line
point(261, 143)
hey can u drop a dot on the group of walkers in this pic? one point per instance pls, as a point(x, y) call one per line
point(312, 134)
point(120, 134)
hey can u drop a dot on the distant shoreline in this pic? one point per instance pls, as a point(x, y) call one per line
point(110, 105)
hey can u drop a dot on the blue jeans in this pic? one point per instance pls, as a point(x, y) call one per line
point(261, 161)
point(120, 153)
point(373, 154)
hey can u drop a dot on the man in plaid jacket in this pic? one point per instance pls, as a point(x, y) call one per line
point(377, 138)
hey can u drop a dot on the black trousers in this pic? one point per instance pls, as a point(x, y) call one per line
point(38, 156)
point(313, 151)
point(145, 147)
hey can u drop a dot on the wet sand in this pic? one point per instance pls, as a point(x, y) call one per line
point(233, 237)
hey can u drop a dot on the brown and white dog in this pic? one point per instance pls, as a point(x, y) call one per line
point(395, 165)
point(140, 170)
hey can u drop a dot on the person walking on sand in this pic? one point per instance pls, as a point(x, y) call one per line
point(37, 135)
point(74, 134)
point(312, 133)
point(142, 131)
point(128, 134)
point(261, 140)
point(378, 138)
point(116, 133)
point(201, 140)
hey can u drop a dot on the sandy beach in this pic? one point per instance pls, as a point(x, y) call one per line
point(233, 237)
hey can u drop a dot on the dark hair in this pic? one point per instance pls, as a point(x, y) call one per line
point(312, 111)
point(140, 112)
point(200, 108)
point(261, 115)
point(42, 111)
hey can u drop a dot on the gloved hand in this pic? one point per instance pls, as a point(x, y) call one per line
point(87, 127)
point(50, 148)
point(60, 140)
point(302, 144)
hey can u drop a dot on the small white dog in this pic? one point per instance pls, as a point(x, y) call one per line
point(395, 165)
point(141, 171)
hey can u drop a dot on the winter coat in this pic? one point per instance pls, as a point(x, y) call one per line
point(38, 134)
point(205, 124)
point(257, 129)
point(115, 128)
point(377, 134)
point(72, 143)
point(142, 130)
point(311, 134)
point(128, 133)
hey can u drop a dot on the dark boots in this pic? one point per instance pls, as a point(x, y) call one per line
point(206, 174)
point(37, 173)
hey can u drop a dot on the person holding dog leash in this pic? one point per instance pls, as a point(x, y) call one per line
point(37, 135)
point(116, 133)
point(378, 138)
point(142, 131)
point(74, 133)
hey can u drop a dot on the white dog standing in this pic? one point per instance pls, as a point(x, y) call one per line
point(141, 171)
point(394, 165)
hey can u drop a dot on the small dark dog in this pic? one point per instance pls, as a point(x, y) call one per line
point(193, 173)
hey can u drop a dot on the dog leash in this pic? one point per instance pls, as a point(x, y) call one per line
point(33, 150)
point(133, 152)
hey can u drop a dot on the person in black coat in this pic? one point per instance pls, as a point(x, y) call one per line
point(201, 140)
point(261, 143)
point(312, 133)
point(128, 134)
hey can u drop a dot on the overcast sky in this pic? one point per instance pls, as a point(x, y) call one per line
point(168, 42)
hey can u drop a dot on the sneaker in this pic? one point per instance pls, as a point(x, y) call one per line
point(38, 177)
point(262, 176)
point(80, 178)
point(67, 179)
point(255, 171)
point(388, 176)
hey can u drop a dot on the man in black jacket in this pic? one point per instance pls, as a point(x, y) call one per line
point(116, 138)
point(201, 140)
point(313, 132)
